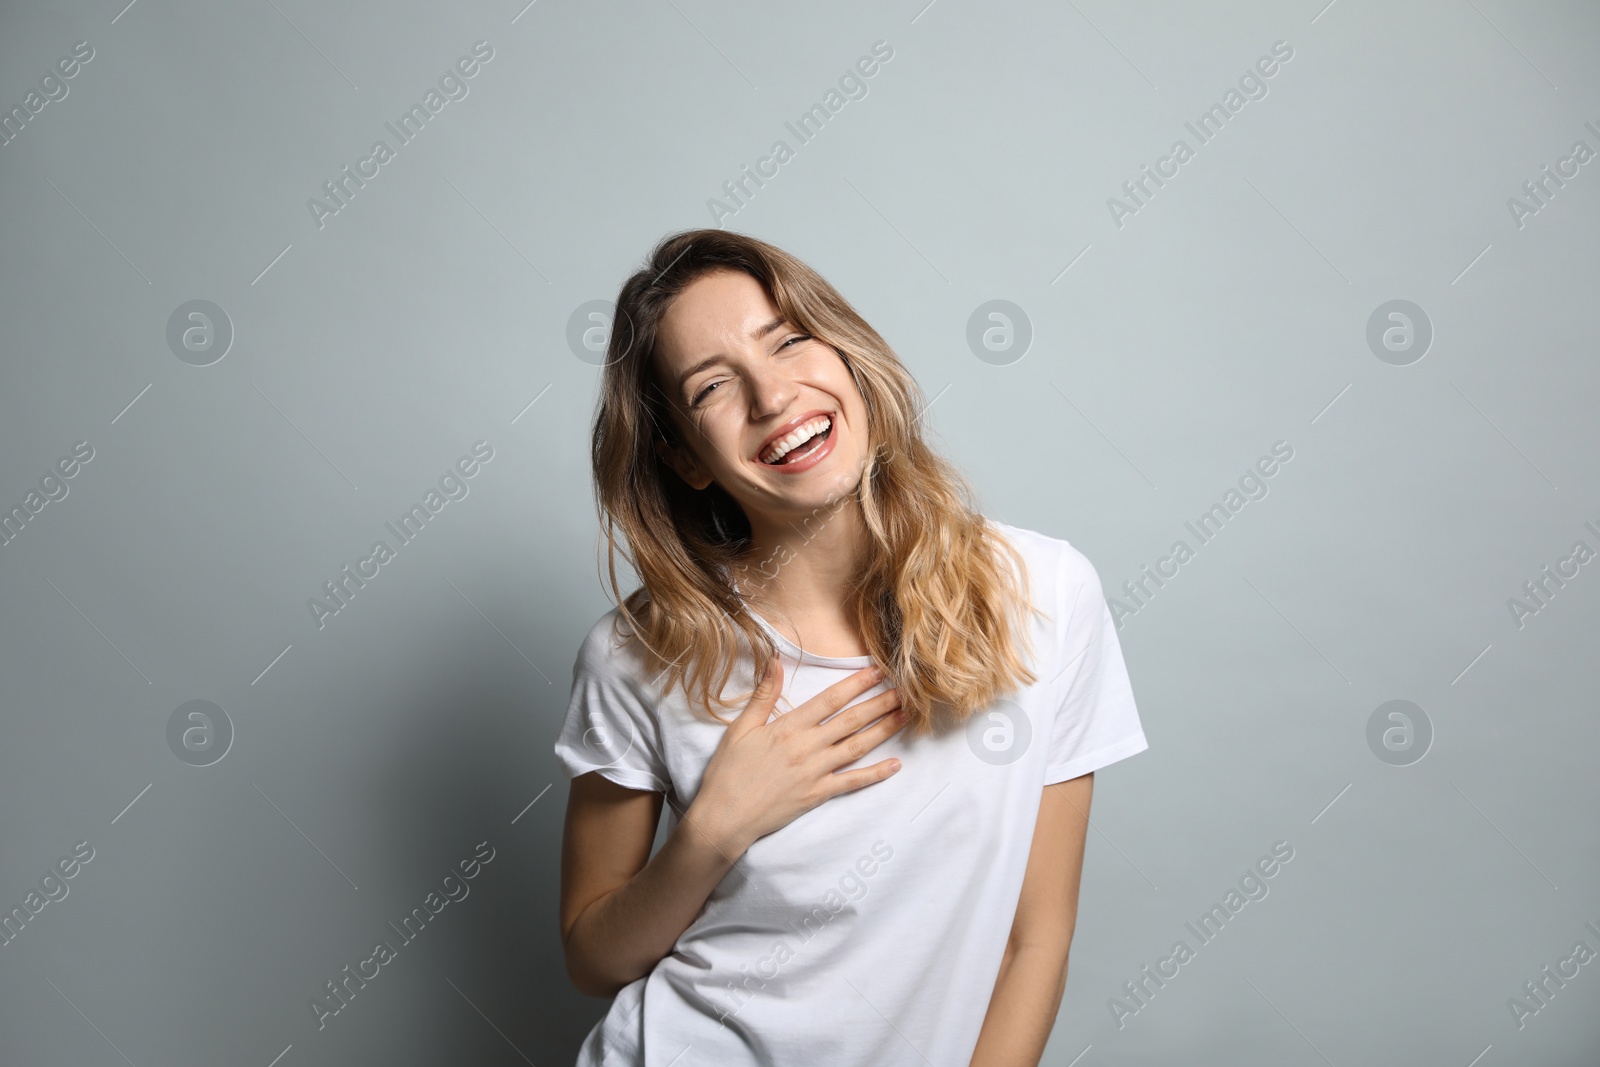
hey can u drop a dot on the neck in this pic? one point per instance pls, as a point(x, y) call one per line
point(803, 567)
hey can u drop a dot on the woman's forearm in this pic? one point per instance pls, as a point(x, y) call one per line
point(1022, 1009)
point(622, 935)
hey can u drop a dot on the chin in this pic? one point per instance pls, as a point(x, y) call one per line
point(838, 489)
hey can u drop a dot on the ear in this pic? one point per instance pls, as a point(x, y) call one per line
point(685, 463)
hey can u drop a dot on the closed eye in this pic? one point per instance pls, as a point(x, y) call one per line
point(702, 394)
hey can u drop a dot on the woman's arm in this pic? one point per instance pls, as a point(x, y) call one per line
point(622, 909)
point(1033, 973)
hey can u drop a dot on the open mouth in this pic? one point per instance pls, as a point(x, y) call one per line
point(800, 443)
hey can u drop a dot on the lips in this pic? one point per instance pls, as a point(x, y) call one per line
point(788, 428)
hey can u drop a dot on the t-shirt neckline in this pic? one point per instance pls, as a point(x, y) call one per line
point(798, 653)
point(794, 650)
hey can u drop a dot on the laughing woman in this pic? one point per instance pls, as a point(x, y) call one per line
point(874, 838)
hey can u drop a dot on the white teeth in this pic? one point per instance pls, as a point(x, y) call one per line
point(784, 445)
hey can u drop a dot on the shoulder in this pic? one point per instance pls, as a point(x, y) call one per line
point(610, 649)
point(1061, 566)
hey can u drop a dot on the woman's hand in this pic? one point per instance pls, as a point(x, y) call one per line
point(764, 775)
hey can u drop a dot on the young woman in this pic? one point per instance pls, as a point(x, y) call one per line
point(874, 840)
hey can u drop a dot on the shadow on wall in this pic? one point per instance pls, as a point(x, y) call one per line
point(471, 750)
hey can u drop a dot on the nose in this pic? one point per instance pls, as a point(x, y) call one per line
point(771, 391)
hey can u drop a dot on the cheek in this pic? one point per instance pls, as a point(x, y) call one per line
point(830, 372)
point(852, 395)
point(721, 439)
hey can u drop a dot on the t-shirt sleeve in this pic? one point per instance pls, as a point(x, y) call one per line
point(610, 725)
point(1096, 722)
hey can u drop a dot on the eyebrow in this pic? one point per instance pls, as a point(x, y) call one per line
point(757, 334)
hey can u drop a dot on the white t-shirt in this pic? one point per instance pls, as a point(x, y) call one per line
point(870, 929)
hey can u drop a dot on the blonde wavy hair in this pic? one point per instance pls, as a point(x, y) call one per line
point(935, 600)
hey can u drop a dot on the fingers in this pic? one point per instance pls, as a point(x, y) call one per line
point(849, 781)
point(854, 718)
point(765, 698)
point(836, 696)
point(853, 746)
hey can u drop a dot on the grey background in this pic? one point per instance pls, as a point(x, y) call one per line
point(1230, 312)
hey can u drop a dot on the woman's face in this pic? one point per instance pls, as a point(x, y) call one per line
point(741, 380)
